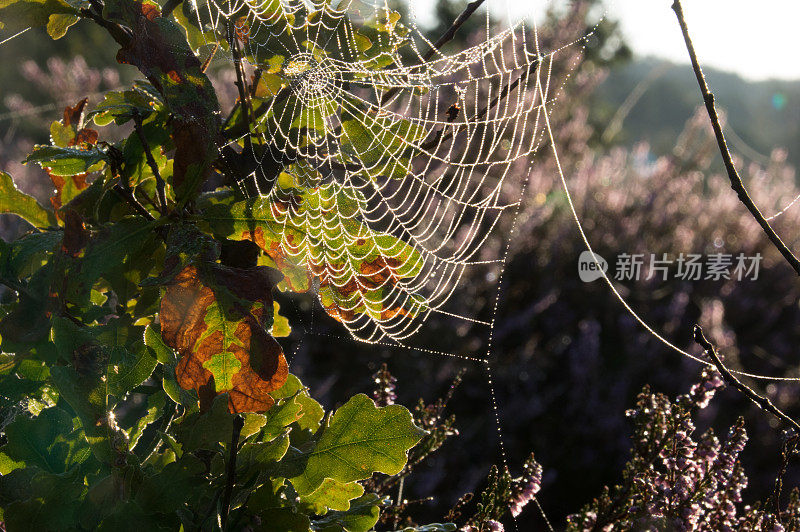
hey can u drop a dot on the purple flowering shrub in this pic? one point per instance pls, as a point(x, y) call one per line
point(679, 479)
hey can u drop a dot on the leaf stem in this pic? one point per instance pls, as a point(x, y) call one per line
point(169, 7)
point(128, 196)
point(238, 423)
point(160, 185)
point(733, 175)
point(123, 188)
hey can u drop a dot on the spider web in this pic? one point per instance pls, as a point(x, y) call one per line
point(413, 154)
point(405, 156)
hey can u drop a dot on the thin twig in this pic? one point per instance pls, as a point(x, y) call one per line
point(446, 37)
point(160, 185)
point(238, 423)
point(210, 58)
point(128, 196)
point(169, 7)
point(123, 188)
point(788, 450)
point(257, 73)
point(244, 93)
point(762, 402)
point(95, 12)
point(438, 139)
point(733, 174)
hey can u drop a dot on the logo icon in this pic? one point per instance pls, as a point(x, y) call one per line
point(591, 266)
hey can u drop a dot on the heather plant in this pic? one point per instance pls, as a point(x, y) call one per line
point(679, 479)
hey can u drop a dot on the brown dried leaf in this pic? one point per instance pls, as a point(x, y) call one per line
point(216, 321)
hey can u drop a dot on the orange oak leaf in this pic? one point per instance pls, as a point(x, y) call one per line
point(73, 116)
point(215, 318)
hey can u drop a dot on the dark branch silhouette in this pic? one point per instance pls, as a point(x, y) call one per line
point(446, 37)
point(733, 174)
point(230, 474)
point(151, 162)
point(762, 402)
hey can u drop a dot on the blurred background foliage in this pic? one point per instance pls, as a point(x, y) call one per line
point(646, 178)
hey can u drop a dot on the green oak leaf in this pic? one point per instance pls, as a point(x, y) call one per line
point(166, 491)
point(135, 366)
point(332, 495)
point(24, 256)
point(67, 161)
point(360, 440)
point(47, 441)
point(311, 412)
point(207, 430)
point(55, 506)
point(13, 201)
point(56, 15)
point(360, 517)
point(163, 353)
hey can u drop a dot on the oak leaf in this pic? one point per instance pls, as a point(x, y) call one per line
point(217, 318)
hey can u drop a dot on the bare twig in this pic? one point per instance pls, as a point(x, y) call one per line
point(438, 138)
point(238, 423)
point(95, 12)
point(733, 174)
point(245, 102)
point(123, 188)
point(257, 73)
point(128, 196)
point(160, 185)
point(169, 7)
point(446, 37)
point(244, 93)
point(762, 402)
point(210, 57)
point(788, 450)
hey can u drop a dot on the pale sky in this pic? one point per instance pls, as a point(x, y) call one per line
point(755, 38)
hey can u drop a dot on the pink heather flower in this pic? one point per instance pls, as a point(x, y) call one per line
point(528, 486)
point(495, 526)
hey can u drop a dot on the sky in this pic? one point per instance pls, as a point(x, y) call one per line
point(757, 39)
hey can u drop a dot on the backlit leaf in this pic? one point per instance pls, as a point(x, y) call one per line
point(56, 15)
point(360, 517)
point(316, 233)
point(360, 440)
point(68, 161)
point(223, 344)
point(13, 201)
point(332, 495)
